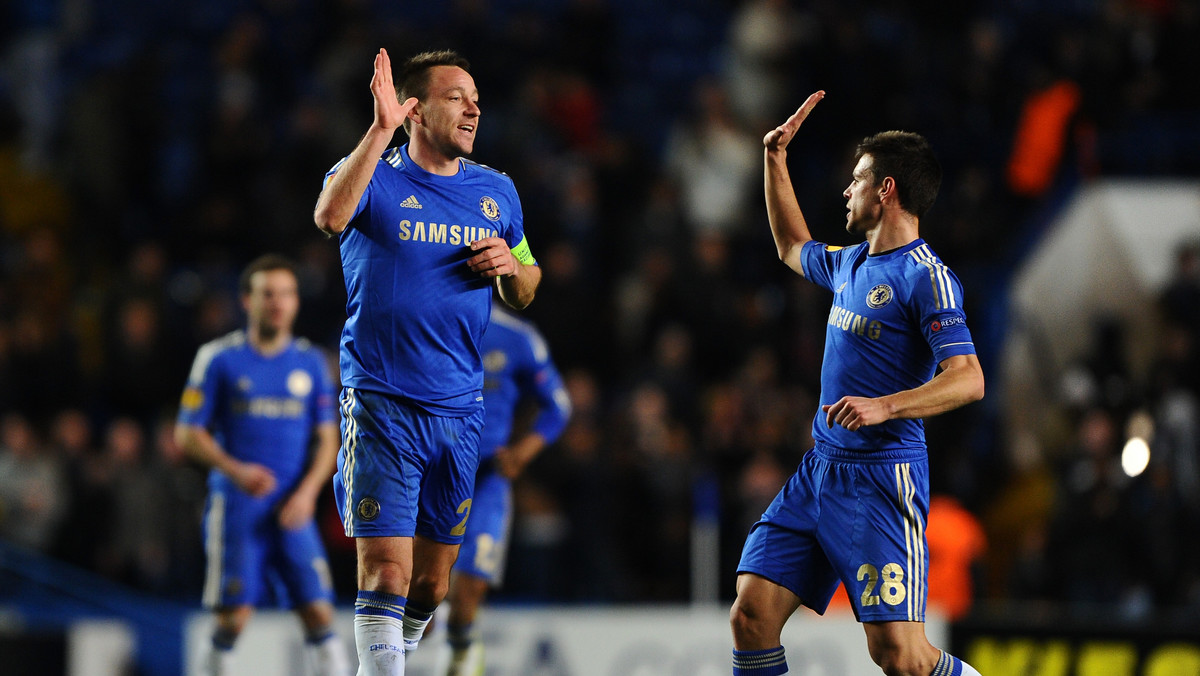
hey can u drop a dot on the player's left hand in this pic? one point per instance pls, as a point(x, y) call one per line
point(296, 511)
point(509, 463)
point(492, 258)
point(855, 412)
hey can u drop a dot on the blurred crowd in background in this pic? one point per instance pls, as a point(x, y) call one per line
point(148, 151)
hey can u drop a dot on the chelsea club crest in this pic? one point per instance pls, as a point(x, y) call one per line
point(489, 208)
point(878, 296)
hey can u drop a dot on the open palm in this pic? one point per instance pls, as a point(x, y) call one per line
point(389, 112)
point(779, 137)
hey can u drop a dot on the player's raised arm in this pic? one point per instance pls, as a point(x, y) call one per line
point(342, 192)
point(783, 211)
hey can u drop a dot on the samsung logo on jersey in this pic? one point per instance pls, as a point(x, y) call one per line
point(269, 407)
point(440, 233)
point(855, 323)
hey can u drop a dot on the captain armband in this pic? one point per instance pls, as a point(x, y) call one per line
point(522, 253)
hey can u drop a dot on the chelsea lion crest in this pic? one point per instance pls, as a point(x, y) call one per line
point(299, 383)
point(489, 208)
point(878, 296)
point(368, 509)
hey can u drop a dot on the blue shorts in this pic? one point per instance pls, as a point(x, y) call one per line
point(252, 560)
point(850, 516)
point(402, 471)
point(483, 551)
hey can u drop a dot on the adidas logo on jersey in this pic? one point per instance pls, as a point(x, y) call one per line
point(411, 202)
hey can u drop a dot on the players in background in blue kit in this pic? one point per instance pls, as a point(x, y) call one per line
point(425, 236)
point(259, 411)
point(518, 371)
point(897, 350)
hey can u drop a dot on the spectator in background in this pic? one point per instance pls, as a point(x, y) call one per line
point(956, 547)
point(136, 550)
point(72, 435)
point(1089, 521)
point(712, 159)
point(185, 487)
point(137, 353)
point(33, 497)
point(764, 37)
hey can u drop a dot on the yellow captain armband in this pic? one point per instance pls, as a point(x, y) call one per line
point(522, 253)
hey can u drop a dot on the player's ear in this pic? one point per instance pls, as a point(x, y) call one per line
point(887, 188)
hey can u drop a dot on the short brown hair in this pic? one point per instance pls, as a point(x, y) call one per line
point(412, 79)
point(264, 263)
point(909, 160)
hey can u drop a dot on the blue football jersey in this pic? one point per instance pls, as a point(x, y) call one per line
point(260, 408)
point(517, 366)
point(894, 317)
point(416, 313)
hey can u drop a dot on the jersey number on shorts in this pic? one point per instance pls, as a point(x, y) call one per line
point(891, 590)
point(486, 554)
point(465, 510)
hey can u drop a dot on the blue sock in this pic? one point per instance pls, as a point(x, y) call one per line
point(770, 662)
point(459, 636)
point(949, 665)
point(318, 636)
point(380, 603)
point(223, 639)
point(419, 613)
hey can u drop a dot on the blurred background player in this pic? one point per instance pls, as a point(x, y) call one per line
point(518, 372)
point(424, 237)
point(258, 410)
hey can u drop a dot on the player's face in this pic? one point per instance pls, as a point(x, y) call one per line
point(864, 206)
point(273, 301)
point(449, 114)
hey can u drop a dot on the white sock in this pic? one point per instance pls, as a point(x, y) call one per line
point(416, 619)
point(218, 662)
point(380, 643)
point(328, 656)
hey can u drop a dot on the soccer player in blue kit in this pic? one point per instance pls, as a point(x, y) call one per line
point(425, 236)
point(259, 410)
point(517, 371)
point(897, 350)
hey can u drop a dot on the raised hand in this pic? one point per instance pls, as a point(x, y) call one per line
point(389, 112)
point(778, 138)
